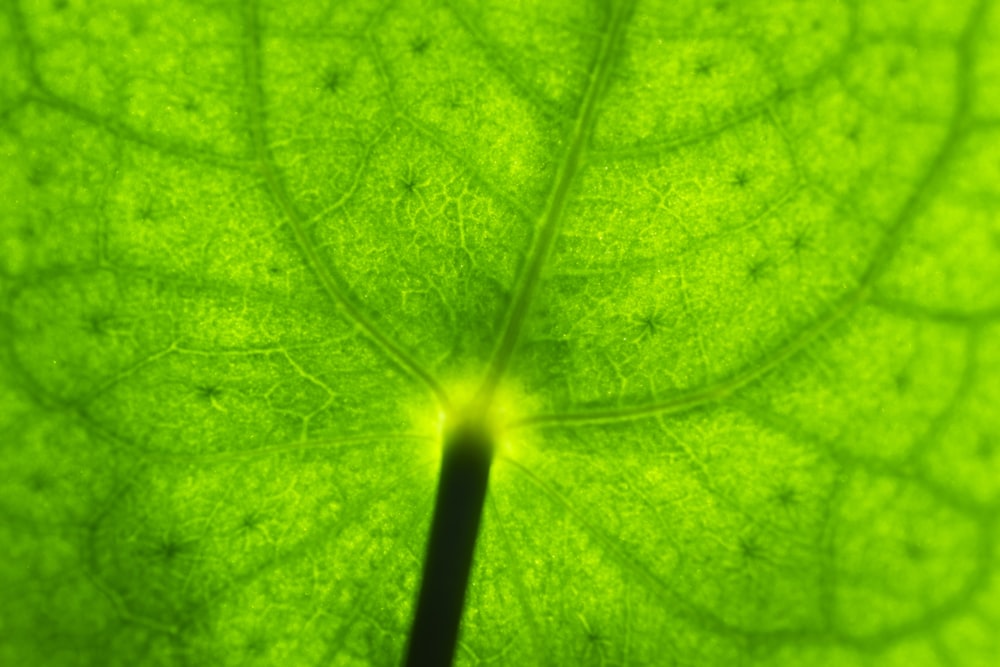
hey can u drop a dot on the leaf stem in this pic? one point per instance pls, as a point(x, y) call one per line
point(465, 471)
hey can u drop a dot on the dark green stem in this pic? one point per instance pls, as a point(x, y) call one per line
point(465, 472)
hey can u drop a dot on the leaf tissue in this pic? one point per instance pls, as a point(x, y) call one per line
point(714, 285)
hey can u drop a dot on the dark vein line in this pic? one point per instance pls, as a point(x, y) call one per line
point(557, 201)
point(267, 169)
point(464, 165)
point(616, 551)
point(944, 315)
point(43, 96)
point(24, 48)
point(337, 445)
point(848, 461)
point(162, 144)
point(744, 115)
point(546, 107)
point(914, 205)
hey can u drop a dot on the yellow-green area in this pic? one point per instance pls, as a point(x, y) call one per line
point(722, 278)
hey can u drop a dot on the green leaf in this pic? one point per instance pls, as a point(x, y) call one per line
point(723, 278)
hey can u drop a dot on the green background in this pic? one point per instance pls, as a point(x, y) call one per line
point(726, 276)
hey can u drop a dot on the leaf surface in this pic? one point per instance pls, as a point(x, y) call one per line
point(723, 276)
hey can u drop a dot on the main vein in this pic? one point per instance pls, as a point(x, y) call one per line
point(268, 171)
point(558, 198)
